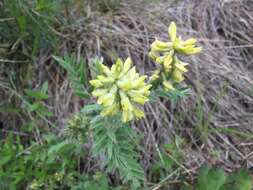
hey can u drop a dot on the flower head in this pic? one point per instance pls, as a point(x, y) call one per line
point(120, 89)
point(165, 54)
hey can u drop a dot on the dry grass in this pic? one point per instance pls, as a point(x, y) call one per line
point(216, 119)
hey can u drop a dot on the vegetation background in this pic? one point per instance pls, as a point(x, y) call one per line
point(212, 125)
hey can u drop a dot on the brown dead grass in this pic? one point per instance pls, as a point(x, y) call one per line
point(216, 119)
point(218, 115)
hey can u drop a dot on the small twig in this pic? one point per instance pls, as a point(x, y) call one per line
point(230, 47)
point(179, 164)
point(155, 143)
point(6, 19)
point(157, 186)
point(13, 61)
point(15, 132)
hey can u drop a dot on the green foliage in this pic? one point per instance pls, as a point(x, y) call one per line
point(108, 5)
point(210, 179)
point(43, 160)
point(47, 166)
point(77, 128)
point(173, 96)
point(98, 181)
point(172, 158)
point(240, 180)
point(33, 104)
point(216, 179)
point(35, 101)
point(77, 74)
point(32, 23)
point(114, 141)
point(20, 167)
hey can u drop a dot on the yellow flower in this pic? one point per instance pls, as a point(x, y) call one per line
point(155, 75)
point(185, 47)
point(180, 67)
point(99, 92)
point(125, 102)
point(158, 45)
point(139, 113)
point(172, 30)
point(127, 115)
point(153, 55)
point(160, 59)
point(168, 62)
point(105, 70)
point(177, 76)
point(120, 89)
point(165, 54)
point(96, 83)
point(106, 99)
point(190, 41)
point(139, 82)
point(193, 50)
point(140, 99)
point(124, 84)
point(111, 110)
point(168, 86)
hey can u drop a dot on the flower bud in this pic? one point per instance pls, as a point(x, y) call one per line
point(138, 113)
point(168, 86)
point(99, 92)
point(177, 76)
point(111, 110)
point(105, 70)
point(172, 30)
point(191, 41)
point(96, 83)
point(106, 99)
point(152, 55)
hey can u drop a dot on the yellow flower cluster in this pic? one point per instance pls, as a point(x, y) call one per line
point(121, 89)
point(164, 54)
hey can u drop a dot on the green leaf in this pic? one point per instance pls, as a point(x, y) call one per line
point(187, 187)
point(240, 180)
point(82, 71)
point(36, 94)
point(96, 66)
point(174, 95)
point(114, 139)
point(65, 63)
point(7, 150)
point(5, 155)
point(60, 148)
point(44, 88)
point(22, 22)
point(91, 108)
point(210, 179)
point(9, 110)
point(76, 74)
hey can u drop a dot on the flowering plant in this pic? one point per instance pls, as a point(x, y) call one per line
point(121, 89)
point(171, 68)
point(121, 93)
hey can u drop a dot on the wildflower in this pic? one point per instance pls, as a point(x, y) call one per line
point(155, 75)
point(168, 86)
point(164, 53)
point(120, 89)
point(187, 47)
